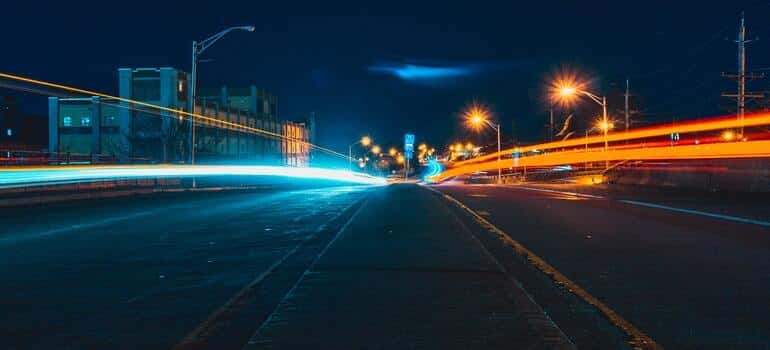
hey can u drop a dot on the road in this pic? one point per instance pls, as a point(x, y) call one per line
point(141, 272)
point(339, 267)
point(688, 279)
point(377, 267)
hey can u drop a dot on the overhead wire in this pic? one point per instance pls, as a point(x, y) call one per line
point(194, 116)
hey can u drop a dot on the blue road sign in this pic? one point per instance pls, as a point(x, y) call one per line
point(408, 145)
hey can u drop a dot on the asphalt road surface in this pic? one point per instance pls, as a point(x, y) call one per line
point(692, 272)
point(382, 267)
point(333, 268)
point(142, 272)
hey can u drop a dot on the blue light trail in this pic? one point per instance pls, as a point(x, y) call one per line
point(434, 168)
point(40, 176)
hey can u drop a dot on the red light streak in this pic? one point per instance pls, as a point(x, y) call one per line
point(720, 123)
point(749, 149)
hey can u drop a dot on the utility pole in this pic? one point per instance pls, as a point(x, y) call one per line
point(741, 77)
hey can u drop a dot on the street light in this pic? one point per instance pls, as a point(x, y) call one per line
point(478, 120)
point(376, 150)
point(197, 50)
point(392, 152)
point(364, 141)
point(568, 91)
point(605, 126)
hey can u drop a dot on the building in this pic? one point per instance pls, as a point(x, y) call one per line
point(126, 132)
point(20, 132)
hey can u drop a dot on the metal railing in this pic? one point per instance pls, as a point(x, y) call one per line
point(16, 157)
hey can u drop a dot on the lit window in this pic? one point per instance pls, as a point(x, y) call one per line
point(67, 121)
point(85, 121)
point(9, 132)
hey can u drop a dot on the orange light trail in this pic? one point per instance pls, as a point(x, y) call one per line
point(660, 130)
point(749, 149)
point(195, 116)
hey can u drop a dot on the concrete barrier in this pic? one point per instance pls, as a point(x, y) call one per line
point(730, 175)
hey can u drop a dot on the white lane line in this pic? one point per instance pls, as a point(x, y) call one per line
point(199, 332)
point(75, 227)
point(662, 207)
point(698, 212)
point(255, 337)
point(559, 192)
point(21, 237)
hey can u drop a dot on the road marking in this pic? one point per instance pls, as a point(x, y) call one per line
point(558, 192)
point(75, 227)
point(21, 237)
point(638, 338)
point(195, 335)
point(698, 212)
point(659, 206)
point(253, 339)
point(563, 338)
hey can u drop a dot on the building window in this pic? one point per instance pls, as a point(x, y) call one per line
point(67, 121)
point(9, 132)
point(85, 121)
point(110, 120)
point(146, 89)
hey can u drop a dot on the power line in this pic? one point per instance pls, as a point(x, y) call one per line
point(236, 126)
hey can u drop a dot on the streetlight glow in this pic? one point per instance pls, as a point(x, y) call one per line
point(366, 141)
point(478, 118)
point(476, 115)
point(392, 151)
point(604, 125)
point(376, 149)
point(567, 91)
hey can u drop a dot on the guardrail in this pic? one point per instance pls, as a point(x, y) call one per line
point(16, 157)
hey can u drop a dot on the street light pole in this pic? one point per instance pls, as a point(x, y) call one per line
point(365, 141)
point(499, 166)
point(197, 50)
point(194, 76)
point(350, 156)
point(606, 127)
point(479, 121)
point(602, 101)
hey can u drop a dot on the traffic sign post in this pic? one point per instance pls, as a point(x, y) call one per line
point(408, 152)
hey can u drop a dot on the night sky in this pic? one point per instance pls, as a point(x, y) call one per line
point(395, 67)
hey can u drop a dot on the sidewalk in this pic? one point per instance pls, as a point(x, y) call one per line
point(404, 273)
